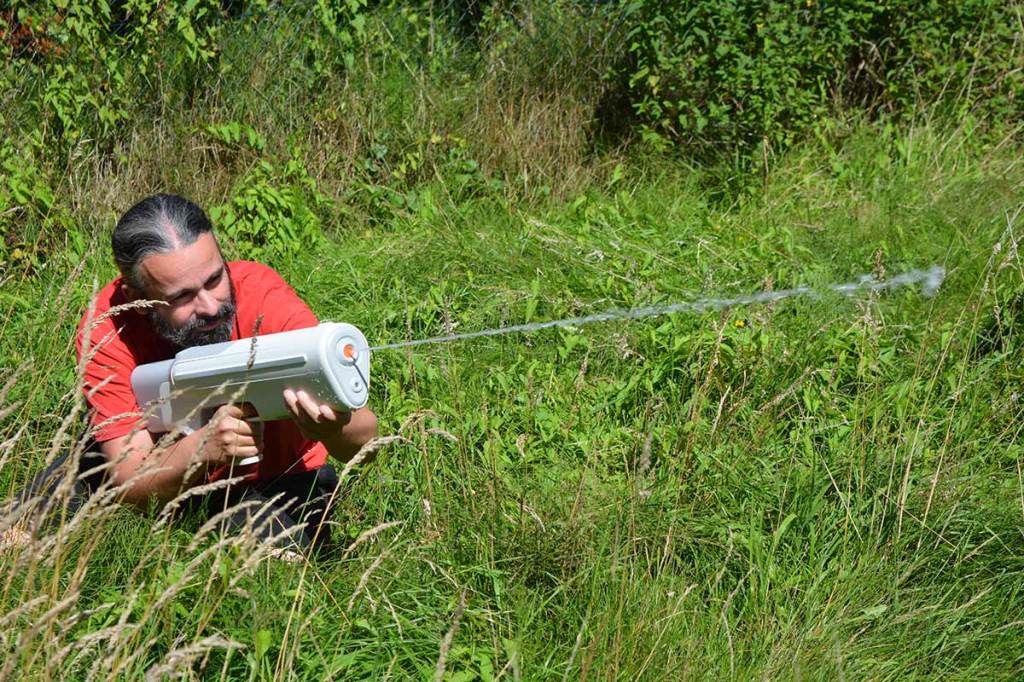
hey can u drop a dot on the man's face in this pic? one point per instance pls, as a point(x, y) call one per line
point(195, 283)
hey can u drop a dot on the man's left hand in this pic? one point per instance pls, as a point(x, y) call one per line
point(342, 432)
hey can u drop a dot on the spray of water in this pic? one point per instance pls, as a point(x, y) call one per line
point(930, 281)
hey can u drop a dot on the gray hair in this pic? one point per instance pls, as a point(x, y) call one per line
point(157, 224)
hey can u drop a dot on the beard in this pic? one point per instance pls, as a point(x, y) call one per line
point(190, 334)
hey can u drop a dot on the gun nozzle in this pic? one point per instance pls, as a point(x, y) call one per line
point(347, 350)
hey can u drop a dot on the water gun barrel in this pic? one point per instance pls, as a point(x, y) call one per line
point(330, 362)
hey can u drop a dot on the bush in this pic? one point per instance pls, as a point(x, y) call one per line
point(29, 211)
point(742, 77)
point(86, 69)
point(273, 211)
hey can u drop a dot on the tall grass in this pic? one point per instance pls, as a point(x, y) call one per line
point(819, 489)
point(816, 489)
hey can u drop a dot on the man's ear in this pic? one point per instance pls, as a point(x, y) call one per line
point(130, 292)
point(133, 294)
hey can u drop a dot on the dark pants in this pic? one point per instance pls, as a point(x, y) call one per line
point(305, 498)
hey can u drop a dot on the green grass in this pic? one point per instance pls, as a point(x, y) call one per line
point(831, 491)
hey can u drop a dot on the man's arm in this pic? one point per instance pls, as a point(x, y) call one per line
point(227, 436)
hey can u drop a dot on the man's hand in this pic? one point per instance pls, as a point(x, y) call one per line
point(342, 432)
point(229, 436)
point(224, 438)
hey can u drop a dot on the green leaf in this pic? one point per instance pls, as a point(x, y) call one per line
point(262, 642)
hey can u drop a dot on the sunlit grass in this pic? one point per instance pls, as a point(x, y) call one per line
point(832, 488)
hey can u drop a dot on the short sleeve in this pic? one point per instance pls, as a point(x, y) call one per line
point(107, 384)
point(281, 307)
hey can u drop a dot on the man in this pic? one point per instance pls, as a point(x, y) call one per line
point(166, 251)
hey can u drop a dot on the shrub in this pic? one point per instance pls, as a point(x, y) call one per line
point(29, 211)
point(273, 211)
point(748, 76)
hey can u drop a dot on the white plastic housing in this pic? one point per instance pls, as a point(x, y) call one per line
point(313, 360)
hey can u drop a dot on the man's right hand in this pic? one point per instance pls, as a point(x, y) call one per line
point(229, 436)
point(225, 438)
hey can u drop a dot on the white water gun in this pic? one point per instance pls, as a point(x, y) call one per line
point(330, 362)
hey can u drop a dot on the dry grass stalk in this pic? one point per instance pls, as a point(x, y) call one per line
point(449, 637)
point(30, 633)
point(115, 418)
point(141, 304)
point(118, 667)
point(443, 434)
point(8, 618)
point(575, 650)
point(371, 448)
point(261, 548)
point(89, 352)
point(7, 446)
point(6, 411)
point(289, 648)
point(177, 659)
point(215, 520)
point(12, 380)
point(173, 505)
point(172, 590)
point(645, 465)
point(47, 551)
point(269, 548)
point(87, 642)
point(13, 538)
point(365, 578)
point(416, 417)
point(537, 138)
point(57, 442)
point(368, 535)
point(533, 515)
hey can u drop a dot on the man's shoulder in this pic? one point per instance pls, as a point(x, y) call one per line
point(98, 311)
point(252, 272)
point(263, 295)
point(112, 327)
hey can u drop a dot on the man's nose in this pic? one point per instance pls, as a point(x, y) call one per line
point(207, 304)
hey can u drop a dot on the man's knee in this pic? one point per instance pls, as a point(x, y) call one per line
point(326, 481)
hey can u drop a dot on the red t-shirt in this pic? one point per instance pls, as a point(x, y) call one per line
point(120, 343)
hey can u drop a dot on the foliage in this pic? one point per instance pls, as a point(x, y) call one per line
point(816, 488)
point(93, 67)
point(29, 211)
point(748, 77)
point(273, 211)
point(343, 24)
point(398, 185)
point(104, 56)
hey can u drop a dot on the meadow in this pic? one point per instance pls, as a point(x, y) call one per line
point(822, 487)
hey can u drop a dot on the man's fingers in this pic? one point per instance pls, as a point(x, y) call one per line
point(257, 433)
point(309, 405)
point(232, 411)
point(237, 440)
point(238, 426)
point(292, 400)
point(240, 453)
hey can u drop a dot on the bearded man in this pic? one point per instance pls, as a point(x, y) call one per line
point(166, 251)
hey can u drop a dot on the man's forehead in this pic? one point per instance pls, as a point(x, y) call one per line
point(183, 268)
